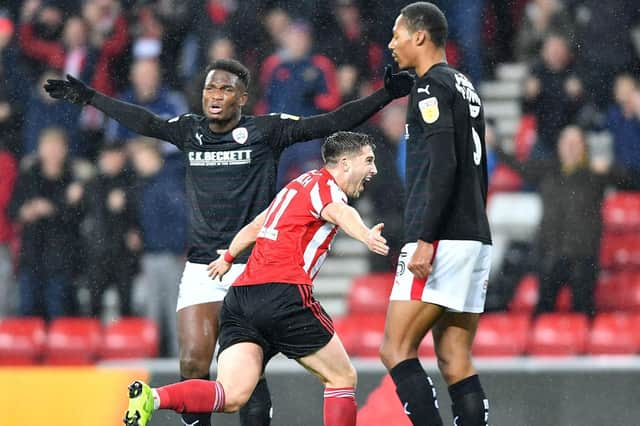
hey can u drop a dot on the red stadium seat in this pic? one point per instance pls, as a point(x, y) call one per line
point(361, 334)
point(130, 338)
point(620, 251)
point(634, 320)
point(621, 212)
point(21, 340)
point(525, 297)
point(629, 293)
point(612, 334)
point(608, 291)
point(501, 334)
point(504, 179)
point(525, 136)
point(370, 293)
point(558, 334)
point(564, 301)
point(73, 341)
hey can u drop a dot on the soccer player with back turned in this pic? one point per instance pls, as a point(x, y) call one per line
point(444, 265)
point(231, 164)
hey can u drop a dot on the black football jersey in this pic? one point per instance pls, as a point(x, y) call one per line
point(446, 173)
point(230, 177)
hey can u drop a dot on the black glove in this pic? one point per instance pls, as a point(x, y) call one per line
point(71, 90)
point(399, 84)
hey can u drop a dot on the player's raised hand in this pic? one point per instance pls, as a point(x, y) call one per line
point(70, 90)
point(218, 267)
point(420, 262)
point(376, 242)
point(398, 84)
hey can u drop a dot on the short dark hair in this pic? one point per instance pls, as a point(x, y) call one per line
point(234, 67)
point(427, 16)
point(341, 143)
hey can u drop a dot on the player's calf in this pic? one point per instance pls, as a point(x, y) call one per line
point(416, 392)
point(258, 410)
point(470, 404)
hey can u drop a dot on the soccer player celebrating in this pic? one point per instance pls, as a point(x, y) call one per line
point(231, 170)
point(443, 267)
point(270, 307)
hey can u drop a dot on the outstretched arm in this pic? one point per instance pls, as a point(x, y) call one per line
point(353, 113)
point(242, 241)
point(133, 117)
point(349, 220)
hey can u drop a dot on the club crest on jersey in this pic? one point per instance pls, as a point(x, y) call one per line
point(429, 110)
point(240, 135)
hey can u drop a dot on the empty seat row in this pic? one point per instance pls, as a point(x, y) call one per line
point(515, 334)
point(75, 341)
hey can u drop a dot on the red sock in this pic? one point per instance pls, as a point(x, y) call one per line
point(192, 396)
point(340, 407)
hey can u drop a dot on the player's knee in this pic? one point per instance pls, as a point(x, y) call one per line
point(193, 366)
point(347, 377)
point(455, 368)
point(235, 400)
point(391, 355)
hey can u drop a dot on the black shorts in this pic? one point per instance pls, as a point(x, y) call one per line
point(279, 317)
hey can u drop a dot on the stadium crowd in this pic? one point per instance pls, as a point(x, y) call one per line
point(86, 204)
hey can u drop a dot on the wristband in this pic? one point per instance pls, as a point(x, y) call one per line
point(228, 258)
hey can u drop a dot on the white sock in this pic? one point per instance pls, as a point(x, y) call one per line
point(156, 398)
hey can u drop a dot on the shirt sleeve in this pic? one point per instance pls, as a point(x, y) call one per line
point(323, 193)
point(290, 129)
point(435, 108)
point(143, 121)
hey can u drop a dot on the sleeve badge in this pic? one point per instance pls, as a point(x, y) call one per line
point(429, 110)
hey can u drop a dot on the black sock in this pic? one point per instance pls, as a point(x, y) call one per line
point(257, 411)
point(470, 404)
point(416, 392)
point(196, 419)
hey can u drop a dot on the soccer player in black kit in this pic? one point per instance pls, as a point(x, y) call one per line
point(231, 168)
point(443, 267)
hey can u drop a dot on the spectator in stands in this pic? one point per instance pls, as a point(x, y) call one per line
point(491, 141)
point(386, 191)
point(604, 43)
point(88, 47)
point(553, 92)
point(8, 174)
point(541, 18)
point(45, 204)
point(571, 188)
point(623, 121)
point(162, 218)
point(298, 82)
point(39, 22)
point(465, 18)
point(148, 91)
point(43, 112)
point(14, 88)
point(349, 43)
point(111, 231)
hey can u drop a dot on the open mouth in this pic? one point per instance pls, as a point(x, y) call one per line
point(215, 109)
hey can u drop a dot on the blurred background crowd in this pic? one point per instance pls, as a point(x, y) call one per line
point(86, 205)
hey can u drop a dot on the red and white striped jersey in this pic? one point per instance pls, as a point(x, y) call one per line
point(294, 240)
